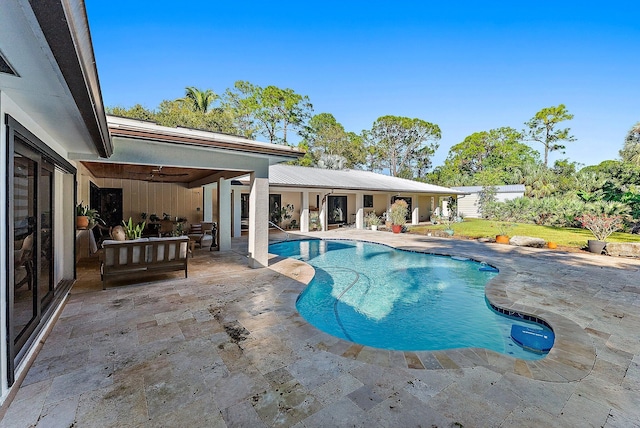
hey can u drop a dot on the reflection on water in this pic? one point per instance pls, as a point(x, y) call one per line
point(386, 298)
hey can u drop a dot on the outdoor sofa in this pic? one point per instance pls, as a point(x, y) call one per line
point(139, 257)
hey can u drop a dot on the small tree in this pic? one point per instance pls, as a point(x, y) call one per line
point(486, 197)
point(542, 129)
point(398, 212)
point(630, 152)
point(601, 225)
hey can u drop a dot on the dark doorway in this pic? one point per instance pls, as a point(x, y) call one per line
point(408, 201)
point(244, 211)
point(110, 207)
point(337, 206)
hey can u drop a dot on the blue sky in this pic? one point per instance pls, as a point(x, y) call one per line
point(465, 66)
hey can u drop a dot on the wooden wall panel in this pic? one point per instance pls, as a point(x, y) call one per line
point(156, 198)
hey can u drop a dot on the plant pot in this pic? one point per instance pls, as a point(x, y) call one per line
point(396, 228)
point(552, 245)
point(82, 222)
point(595, 246)
point(374, 227)
point(502, 239)
point(449, 232)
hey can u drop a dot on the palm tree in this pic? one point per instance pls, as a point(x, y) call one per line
point(198, 100)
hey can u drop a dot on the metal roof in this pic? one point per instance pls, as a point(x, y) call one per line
point(349, 179)
point(508, 188)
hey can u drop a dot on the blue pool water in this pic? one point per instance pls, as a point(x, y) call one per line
point(375, 295)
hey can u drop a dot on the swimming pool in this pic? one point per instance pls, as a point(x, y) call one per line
point(378, 296)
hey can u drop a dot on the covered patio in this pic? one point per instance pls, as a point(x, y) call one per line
point(176, 171)
point(226, 347)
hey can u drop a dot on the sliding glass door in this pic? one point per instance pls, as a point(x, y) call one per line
point(34, 287)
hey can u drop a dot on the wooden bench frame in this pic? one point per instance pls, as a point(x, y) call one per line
point(153, 256)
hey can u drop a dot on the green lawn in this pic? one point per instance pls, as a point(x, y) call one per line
point(567, 236)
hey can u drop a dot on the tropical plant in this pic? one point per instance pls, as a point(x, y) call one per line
point(314, 220)
point(282, 214)
point(504, 228)
point(398, 212)
point(133, 231)
point(198, 100)
point(601, 225)
point(371, 219)
point(84, 210)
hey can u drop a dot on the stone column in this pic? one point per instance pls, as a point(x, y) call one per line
point(359, 210)
point(304, 211)
point(259, 222)
point(236, 202)
point(224, 214)
point(415, 214)
point(207, 203)
point(323, 212)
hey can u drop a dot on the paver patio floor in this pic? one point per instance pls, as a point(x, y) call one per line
point(226, 347)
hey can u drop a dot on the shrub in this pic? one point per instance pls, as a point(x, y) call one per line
point(398, 212)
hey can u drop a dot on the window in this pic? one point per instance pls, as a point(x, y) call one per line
point(275, 209)
point(368, 201)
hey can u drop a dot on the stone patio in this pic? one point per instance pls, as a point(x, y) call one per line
point(226, 347)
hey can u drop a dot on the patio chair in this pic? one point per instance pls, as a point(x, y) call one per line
point(203, 234)
point(23, 259)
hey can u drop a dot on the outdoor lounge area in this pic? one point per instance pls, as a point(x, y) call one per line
point(226, 347)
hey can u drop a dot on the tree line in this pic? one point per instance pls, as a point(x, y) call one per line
point(404, 147)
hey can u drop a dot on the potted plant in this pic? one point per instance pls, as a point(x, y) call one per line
point(398, 214)
point(314, 220)
point(503, 232)
point(601, 225)
point(133, 231)
point(446, 220)
point(85, 217)
point(372, 220)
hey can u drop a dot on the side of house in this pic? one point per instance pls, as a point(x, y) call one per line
point(468, 205)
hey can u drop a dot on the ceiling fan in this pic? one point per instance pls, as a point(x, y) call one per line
point(157, 172)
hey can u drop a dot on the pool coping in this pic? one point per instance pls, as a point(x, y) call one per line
point(571, 359)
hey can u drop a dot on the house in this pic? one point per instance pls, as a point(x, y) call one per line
point(58, 146)
point(341, 197)
point(468, 204)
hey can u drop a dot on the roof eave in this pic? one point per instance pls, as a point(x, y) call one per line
point(71, 46)
point(176, 137)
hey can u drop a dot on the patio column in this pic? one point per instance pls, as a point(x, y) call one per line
point(224, 214)
point(323, 213)
point(415, 215)
point(359, 210)
point(237, 212)
point(207, 204)
point(259, 221)
point(304, 211)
